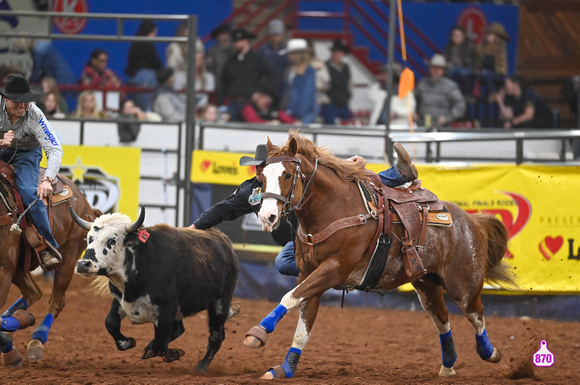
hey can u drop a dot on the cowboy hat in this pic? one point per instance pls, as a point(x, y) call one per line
point(294, 45)
point(340, 45)
point(241, 34)
point(499, 30)
point(258, 159)
point(18, 90)
point(224, 28)
point(438, 60)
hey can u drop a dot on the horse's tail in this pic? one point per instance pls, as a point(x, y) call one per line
point(495, 235)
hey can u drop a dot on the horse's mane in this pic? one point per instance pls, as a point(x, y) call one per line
point(347, 171)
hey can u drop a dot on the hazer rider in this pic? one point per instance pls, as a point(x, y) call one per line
point(25, 132)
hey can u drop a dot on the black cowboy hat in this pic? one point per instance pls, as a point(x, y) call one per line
point(270, 91)
point(224, 28)
point(18, 90)
point(242, 33)
point(340, 45)
point(258, 159)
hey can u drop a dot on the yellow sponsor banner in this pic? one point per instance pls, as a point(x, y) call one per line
point(537, 204)
point(108, 176)
point(220, 168)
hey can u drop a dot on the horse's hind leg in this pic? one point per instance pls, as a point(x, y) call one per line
point(473, 310)
point(431, 296)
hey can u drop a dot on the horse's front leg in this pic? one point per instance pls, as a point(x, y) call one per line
point(324, 277)
point(308, 313)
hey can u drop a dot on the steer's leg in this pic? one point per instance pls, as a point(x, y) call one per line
point(113, 325)
point(218, 313)
point(308, 313)
point(159, 346)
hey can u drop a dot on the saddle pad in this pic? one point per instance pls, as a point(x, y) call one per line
point(440, 218)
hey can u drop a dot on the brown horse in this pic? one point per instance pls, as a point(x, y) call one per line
point(14, 269)
point(322, 191)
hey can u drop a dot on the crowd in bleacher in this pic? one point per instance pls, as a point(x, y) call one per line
point(282, 81)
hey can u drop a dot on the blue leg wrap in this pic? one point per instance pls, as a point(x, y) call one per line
point(5, 343)
point(448, 354)
point(9, 324)
point(271, 320)
point(484, 347)
point(290, 363)
point(41, 332)
point(21, 304)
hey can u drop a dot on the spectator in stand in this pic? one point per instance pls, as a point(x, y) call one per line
point(143, 62)
point(299, 99)
point(340, 90)
point(492, 55)
point(460, 54)
point(51, 105)
point(96, 74)
point(522, 107)
point(571, 93)
point(439, 99)
point(46, 61)
point(87, 107)
point(321, 75)
point(271, 50)
point(168, 103)
point(49, 85)
point(207, 113)
point(204, 80)
point(176, 58)
point(219, 53)
point(261, 108)
point(243, 73)
point(132, 116)
point(5, 71)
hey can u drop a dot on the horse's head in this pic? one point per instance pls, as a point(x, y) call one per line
point(105, 242)
point(283, 185)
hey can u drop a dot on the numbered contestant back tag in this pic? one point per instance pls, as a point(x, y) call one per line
point(543, 357)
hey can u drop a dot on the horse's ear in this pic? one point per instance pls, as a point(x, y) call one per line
point(293, 147)
point(269, 144)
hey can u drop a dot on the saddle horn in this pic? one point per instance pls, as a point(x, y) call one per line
point(80, 221)
point(135, 225)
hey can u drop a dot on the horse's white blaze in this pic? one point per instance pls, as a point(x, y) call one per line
point(269, 209)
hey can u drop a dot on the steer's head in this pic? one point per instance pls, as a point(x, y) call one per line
point(105, 243)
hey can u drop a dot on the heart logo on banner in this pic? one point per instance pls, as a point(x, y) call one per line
point(549, 246)
point(205, 165)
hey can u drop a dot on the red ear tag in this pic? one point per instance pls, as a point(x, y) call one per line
point(143, 235)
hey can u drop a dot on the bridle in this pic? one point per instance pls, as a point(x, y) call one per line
point(288, 200)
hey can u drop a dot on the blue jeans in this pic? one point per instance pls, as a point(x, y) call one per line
point(391, 177)
point(464, 77)
point(330, 112)
point(26, 169)
point(145, 78)
point(286, 260)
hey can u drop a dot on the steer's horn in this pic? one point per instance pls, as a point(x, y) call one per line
point(135, 225)
point(80, 221)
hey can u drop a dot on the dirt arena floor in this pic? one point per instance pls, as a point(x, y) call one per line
point(348, 346)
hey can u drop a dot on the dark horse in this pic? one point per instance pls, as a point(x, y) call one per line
point(14, 269)
point(322, 191)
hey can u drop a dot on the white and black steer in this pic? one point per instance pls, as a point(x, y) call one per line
point(161, 274)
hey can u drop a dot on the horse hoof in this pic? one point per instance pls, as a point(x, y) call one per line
point(267, 376)
point(25, 319)
point(446, 372)
point(35, 350)
point(495, 357)
point(12, 358)
point(255, 337)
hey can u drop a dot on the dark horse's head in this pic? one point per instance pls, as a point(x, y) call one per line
point(290, 173)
